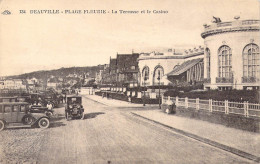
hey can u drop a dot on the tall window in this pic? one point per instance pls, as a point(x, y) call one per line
point(208, 62)
point(145, 73)
point(225, 62)
point(251, 60)
point(158, 72)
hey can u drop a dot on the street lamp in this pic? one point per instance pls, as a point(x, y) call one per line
point(159, 79)
point(145, 78)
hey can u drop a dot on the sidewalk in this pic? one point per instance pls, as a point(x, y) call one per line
point(237, 141)
point(115, 103)
point(245, 141)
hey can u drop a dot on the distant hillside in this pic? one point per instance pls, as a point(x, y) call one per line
point(62, 72)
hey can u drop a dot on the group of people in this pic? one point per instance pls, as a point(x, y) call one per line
point(49, 105)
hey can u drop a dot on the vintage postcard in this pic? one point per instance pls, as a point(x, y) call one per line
point(129, 81)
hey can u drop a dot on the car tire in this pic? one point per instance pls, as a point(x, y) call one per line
point(2, 125)
point(44, 123)
point(82, 116)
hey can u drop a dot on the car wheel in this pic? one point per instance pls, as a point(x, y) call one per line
point(2, 125)
point(28, 120)
point(44, 123)
point(82, 116)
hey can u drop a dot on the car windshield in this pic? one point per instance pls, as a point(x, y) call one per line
point(74, 100)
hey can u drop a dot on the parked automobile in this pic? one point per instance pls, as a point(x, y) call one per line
point(17, 114)
point(74, 108)
point(43, 98)
point(34, 98)
point(40, 109)
point(51, 99)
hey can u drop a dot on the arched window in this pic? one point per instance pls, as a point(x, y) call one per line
point(145, 73)
point(225, 62)
point(158, 74)
point(208, 62)
point(251, 60)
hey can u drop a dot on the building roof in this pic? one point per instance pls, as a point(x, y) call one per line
point(112, 64)
point(125, 61)
point(184, 67)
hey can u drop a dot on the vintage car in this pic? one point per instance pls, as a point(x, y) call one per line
point(17, 114)
point(74, 108)
point(51, 99)
point(40, 109)
point(43, 99)
point(35, 97)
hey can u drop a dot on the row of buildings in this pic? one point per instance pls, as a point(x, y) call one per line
point(229, 59)
point(34, 84)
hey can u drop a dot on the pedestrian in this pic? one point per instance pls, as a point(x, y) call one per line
point(49, 106)
point(129, 99)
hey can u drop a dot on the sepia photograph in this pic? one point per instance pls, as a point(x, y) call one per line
point(129, 81)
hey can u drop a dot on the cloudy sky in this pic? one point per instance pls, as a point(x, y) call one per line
point(30, 42)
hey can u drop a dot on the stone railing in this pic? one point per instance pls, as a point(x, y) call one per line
point(223, 27)
point(250, 79)
point(234, 23)
point(224, 80)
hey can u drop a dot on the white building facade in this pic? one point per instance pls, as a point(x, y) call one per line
point(13, 84)
point(231, 56)
point(154, 67)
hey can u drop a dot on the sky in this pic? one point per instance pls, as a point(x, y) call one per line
point(31, 42)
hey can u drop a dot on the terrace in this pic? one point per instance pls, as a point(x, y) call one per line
point(238, 25)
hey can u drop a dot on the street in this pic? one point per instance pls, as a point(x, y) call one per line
point(106, 135)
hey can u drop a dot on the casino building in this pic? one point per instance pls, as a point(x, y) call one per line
point(171, 67)
point(229, 59)
point(231, 54)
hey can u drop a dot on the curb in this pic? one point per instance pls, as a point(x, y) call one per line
point(207, 141)
point(112, 106)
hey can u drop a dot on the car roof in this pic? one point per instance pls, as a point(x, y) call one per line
point(14, 103)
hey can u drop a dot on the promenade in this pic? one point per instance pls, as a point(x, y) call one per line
point(242, 143)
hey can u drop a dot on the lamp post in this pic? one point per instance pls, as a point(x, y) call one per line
point(159, 79)
point(145, 78)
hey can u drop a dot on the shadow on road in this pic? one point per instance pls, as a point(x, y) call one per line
point(56, 124)
point(57, 118)
point(92, 115)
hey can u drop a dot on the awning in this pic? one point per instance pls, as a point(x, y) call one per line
point(184, 67)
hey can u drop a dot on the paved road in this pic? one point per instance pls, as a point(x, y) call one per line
point(109, 135)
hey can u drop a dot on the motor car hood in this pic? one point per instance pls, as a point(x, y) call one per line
point(38, 115)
